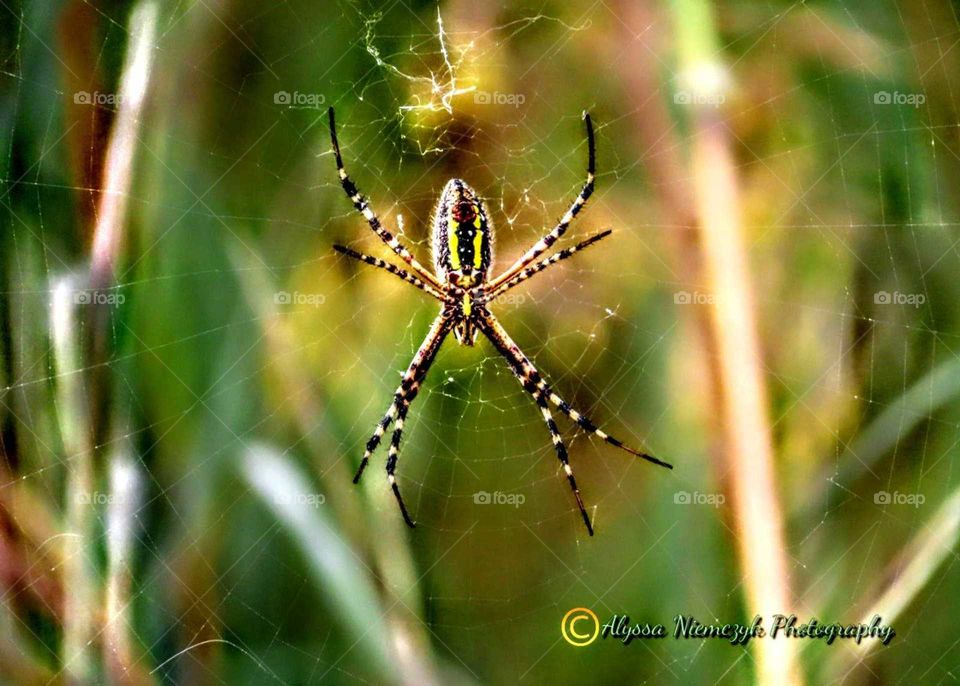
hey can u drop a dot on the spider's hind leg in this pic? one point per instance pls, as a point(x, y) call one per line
point(363, 207)
point(409, 386)
point(534, 383)
point(392, 456)
point(561, 454)
point(544, 243)
point(402, 398)
point(382, 425)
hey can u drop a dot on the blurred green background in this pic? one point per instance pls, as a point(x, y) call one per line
point(182, 418)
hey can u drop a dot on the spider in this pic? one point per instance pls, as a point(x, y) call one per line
point(462, 257)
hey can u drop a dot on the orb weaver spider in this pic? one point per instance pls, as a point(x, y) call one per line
point(462, 257)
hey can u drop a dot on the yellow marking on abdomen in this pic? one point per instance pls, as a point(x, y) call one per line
point(477, 243)
point(454, 242)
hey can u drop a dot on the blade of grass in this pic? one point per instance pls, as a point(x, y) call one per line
point(120, 153)
point(122, 665)
point(748, 446)
point(79, 576)
point(908, 575)
point(337, 570)
point(76, 423)
point(895, 422)
point(388, 547)
point(114, 192)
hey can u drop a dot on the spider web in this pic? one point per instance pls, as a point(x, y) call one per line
point(241, 328)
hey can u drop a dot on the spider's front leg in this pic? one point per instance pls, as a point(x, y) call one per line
point(544, 243)
point(394, 453)
point(363, 207)
point(405, 394)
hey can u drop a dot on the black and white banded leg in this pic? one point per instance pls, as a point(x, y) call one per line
point(394, 453)
point(561, 450)
point(409, 385)
point(363, 207)
point(532, 381)
point(543, 264)
point(393, 269)
point(544, 243)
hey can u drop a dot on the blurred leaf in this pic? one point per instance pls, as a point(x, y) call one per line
point(337, 571)
point(893, 424)
point(909, 573)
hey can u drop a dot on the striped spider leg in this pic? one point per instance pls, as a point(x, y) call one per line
point(363, 207)
point(544, 243)
point(393, 269)
point(524, 274)
point(534, 384)
point(402, 398)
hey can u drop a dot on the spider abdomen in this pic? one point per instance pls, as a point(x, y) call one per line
point(462, 249)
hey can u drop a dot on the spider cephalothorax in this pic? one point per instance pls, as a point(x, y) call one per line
point(462, 256)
